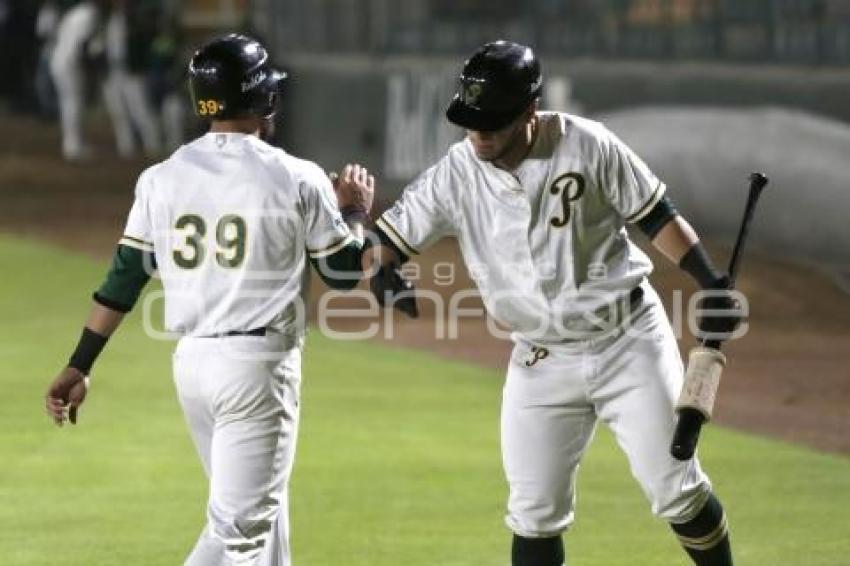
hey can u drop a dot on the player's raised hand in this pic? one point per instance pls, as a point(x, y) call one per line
point(65, 395)
point(354, 187)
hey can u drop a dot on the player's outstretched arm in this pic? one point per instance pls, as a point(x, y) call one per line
point(130, 271)
point(68, 390)
point(422, 215)
point(354, 190)
point(674, 237)
point(382, 262)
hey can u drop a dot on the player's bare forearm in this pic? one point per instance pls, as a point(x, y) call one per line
point(103, 320)
point(675, 239)
point(678, 241)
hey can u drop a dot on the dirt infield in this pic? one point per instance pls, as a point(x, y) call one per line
point(787, 378)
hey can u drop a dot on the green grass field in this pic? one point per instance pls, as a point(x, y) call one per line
point(398, 459)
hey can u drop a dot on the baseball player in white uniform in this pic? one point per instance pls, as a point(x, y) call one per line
point(538, 202)
point(229, 222)
point(76, 27)
point(124, 90)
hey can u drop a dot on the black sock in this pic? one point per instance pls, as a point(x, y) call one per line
point(706, 536)
point(537, 551)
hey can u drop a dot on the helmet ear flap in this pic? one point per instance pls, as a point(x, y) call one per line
point(269, 93)
point(270, 104)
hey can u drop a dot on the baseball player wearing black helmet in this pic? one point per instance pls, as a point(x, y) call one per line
point(230, 222)
point(497, 84)
point(538, 202)
point(231, 77)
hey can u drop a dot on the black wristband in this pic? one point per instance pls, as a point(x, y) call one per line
point(698, 264)
point(354, 213)
point(88, 349)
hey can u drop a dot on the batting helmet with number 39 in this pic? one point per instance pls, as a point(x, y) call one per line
point(231, 77)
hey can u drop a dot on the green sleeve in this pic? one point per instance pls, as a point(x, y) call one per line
point(657, 218)
point(130, 271)
point(342, 269)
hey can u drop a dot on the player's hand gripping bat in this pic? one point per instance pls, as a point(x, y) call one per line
point(705, 364)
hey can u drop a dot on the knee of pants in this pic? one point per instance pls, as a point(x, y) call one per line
point(679, 501)
point(534, 514)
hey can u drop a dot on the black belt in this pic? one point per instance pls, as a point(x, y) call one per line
point(252, 332)
point(636, 294)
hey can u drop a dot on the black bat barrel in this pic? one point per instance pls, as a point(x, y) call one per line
point(686, 436)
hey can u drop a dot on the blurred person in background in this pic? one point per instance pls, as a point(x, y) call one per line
point(75, 36)
point(166, 76)
point(130, 30)
point(46, 28)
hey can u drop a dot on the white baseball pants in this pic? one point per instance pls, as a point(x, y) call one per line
point(240, 399)
point(69, 79)
point(552, 400)
point(130, 109)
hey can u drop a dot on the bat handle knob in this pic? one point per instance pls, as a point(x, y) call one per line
point(759, 178)
point(685, 438)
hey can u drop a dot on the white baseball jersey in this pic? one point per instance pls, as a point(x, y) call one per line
point(231, 220)
point(546, 243)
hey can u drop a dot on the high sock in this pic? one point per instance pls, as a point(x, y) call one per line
point(706, 537)
point(537, 551)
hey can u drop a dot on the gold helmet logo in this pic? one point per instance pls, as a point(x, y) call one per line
point(471, 94)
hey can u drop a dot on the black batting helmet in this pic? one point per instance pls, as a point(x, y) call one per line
point(232, 77)
point(496, 85)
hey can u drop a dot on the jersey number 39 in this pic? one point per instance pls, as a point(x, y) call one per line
point(230, 236)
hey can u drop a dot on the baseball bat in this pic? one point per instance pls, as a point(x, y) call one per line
point(690, 422)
